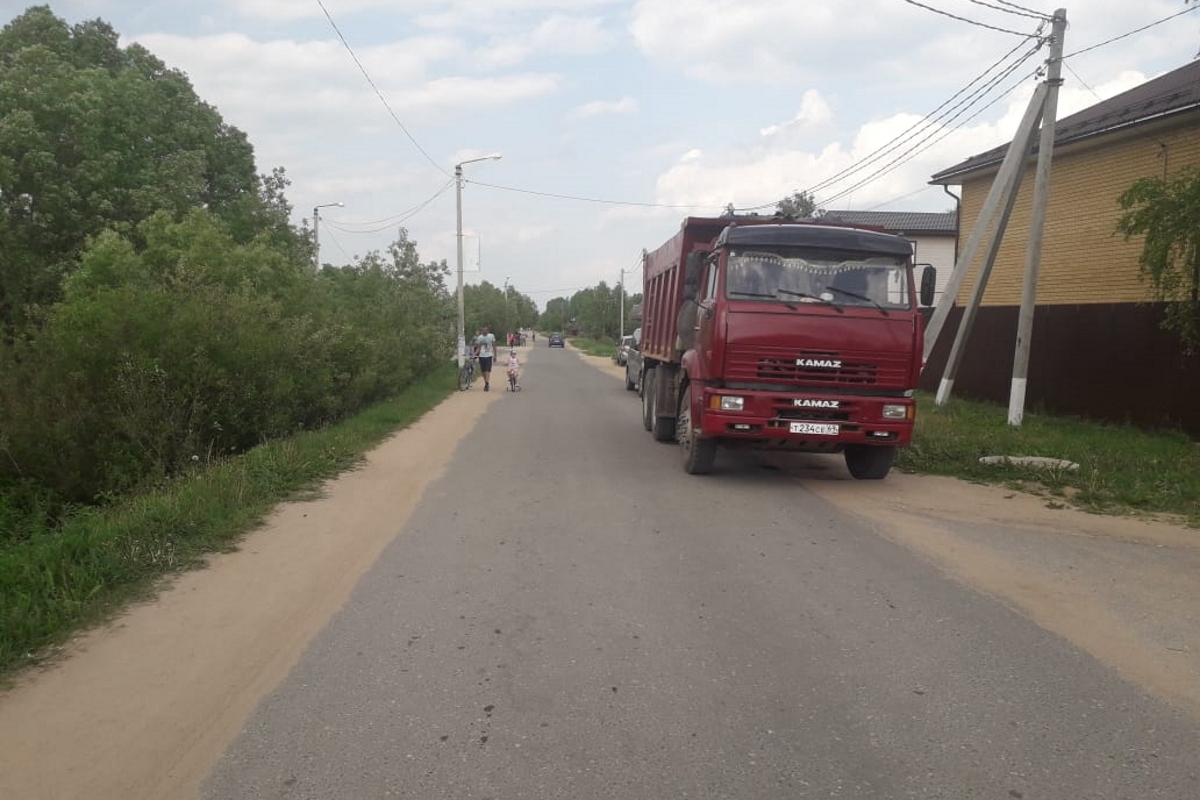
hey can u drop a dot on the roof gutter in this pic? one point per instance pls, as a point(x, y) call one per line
point(943, 179)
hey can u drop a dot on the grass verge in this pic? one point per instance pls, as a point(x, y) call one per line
point(56, 581)
point(1122, 469)
point(594, 347)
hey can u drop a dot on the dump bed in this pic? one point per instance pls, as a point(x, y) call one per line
point(663, 284)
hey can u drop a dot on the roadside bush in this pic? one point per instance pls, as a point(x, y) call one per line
point(196, 347)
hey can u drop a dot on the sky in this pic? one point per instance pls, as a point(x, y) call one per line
point(616, 119)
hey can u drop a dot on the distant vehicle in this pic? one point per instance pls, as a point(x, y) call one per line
point(556, 340)
point(622, 350)
point(633, 363)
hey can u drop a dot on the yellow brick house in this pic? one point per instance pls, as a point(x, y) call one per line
point(1097, 346)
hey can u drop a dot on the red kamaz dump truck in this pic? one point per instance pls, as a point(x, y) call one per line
point(782, 335)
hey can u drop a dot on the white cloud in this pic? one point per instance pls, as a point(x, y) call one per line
point(814, 113)
point(557, 35)
point(596, 108)
point(578, 35)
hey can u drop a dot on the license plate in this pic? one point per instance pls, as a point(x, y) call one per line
point(814, 428)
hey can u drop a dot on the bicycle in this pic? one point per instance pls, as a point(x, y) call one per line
point(466, 374)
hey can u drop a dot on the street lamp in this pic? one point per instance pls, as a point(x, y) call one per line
point(316, 232)
point(462, 317)
point(507, 326)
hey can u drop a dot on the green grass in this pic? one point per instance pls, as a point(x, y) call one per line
point(56, 579)
point(1122, 469)
point(594, 347)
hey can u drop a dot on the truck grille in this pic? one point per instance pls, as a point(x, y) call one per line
point(786, 411)
point(776, 365)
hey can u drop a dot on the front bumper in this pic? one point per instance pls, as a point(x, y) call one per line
point(808, 420)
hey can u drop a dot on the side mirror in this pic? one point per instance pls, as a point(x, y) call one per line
point(928, 284)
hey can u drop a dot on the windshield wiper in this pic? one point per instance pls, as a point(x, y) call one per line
point(808, 296)
point(762, 296)
point(857, 296)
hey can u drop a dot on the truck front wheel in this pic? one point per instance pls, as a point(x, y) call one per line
point(698, 454)
point(869, 463)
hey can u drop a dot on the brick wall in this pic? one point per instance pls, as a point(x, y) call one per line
point(1084, 260)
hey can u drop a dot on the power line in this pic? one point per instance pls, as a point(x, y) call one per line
point(901, 159)
point(930, 118)
point(584, 199)
point(968, 21)
point(349, 258)
point(1013, 9)
point(922, 124)
point(396, 219)
point(896, 163)
point(379, 94)
point(898, 199)
point(1019, 8)
point(1187, 10)
point(1082, 81)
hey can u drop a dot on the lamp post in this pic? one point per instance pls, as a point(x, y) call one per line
point(462, 317)
point(507, 326)
point(621, 313)
point(317, 233)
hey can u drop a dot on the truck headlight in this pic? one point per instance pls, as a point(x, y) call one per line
point(732, 403)
point(895, 412)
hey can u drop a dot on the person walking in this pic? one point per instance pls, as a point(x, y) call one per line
point(485, 342)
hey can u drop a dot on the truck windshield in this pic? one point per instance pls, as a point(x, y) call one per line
point(791, 276)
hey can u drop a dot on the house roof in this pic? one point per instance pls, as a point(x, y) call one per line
point(910, 222)
point(1174, 93)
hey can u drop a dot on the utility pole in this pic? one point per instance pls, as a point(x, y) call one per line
point(458, 182)
point(317, 233)
point(1004, 189)
point(1037, 222)
point(621, 326)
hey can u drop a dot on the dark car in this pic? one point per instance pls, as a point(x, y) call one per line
point(633, 362)
point(556, 340)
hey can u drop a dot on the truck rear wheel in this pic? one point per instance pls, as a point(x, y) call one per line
point(698, 454)
point(869, 463)
point(661, 428)
point(647, 402)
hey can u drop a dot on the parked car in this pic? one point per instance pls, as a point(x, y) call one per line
point(622, 349)
point(556, 340)
point(633, 363)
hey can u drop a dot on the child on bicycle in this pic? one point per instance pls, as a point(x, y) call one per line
point(513, 367)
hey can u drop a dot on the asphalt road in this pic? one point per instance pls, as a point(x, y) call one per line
point(569, 615)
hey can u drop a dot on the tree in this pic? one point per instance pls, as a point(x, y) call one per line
point(799, 206)
point(1166, 211)
point(94, 137)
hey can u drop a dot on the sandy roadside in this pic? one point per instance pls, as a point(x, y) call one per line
point(144, 707)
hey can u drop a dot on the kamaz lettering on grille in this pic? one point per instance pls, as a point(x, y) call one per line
point(819, 363)
point(807, 403)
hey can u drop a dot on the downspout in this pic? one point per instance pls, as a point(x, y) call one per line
point(957, 217)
